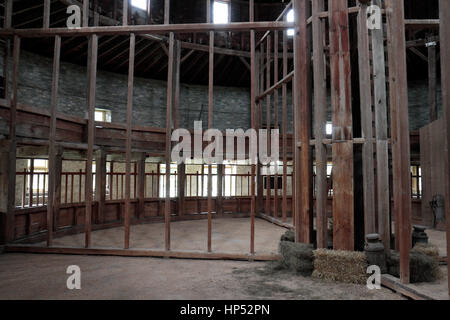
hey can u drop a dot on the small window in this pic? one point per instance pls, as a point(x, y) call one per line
point(141, 4)
point(290, 18)
point(329, 129)
point(221, 13)
point(102, 115)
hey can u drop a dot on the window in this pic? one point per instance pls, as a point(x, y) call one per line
point(141, 4)
point(102, 115)
point(329, 129)
point(290, 18)
point(221, 13)
point(416, 182)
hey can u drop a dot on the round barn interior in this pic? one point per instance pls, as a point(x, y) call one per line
point(87, 116)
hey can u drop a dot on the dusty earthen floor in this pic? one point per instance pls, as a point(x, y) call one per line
point(231, 235)
point(29, 276)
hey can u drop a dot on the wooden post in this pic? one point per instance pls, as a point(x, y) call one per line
point(85, 13)
point(181, 190)
point(365, 87)
point(46, 22)
point(444, 10)
point(210, 122)
point(129, 140)
point(320, 121)
point(302, 125)
point(166, 11)
point(284, 125)
point(400, 131)
point(169, 126)
point(343, 205)
point(91, 131)
point(220, 172)
point(253, 90)
point(432, 81)
point(125, 13)
point(277, 125)
point(52, 154)
point(268, 122)
point(141, 180)
point(100, 184)
point(381, 127)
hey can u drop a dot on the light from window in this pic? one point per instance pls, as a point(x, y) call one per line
point(141, 4)
point(329, 129)
point(102, 115)
point(220, 12)
point(290, 18)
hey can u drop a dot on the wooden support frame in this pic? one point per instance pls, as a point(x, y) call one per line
point(381, 128)
point(52, 152)
point(129, 140)
point(444, 9)
point(432, 81)
point(275, 111)
point(47, 10)
point(100, 184)
point(268, 122)
point(400, 132)
point(365, 89)
point(320, 112)
point(91, 131)
point(253, 111)
point(302, 125)
point(343, 199)
point(210, 120)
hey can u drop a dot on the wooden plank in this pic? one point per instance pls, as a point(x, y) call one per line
point(394, 284)
point(320, 121)
point(343, 197)
point(382, 144)
point(169, 125)
point(432, 82)
point(52, 154)
point(100, 184)
point(91, 131)
point(445, 71)
point(284, 126)
point(141, 180)
point(400, 132)
point(253, 107)
point(85, 21)
point(366, 121)
point(125, 12)
point(275, 119)
point(302, 125)
point(268, 121)
point(140, 253)
point(210, 126)
point(129, 140)
point(46, 23)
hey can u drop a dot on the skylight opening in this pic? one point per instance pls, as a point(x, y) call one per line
point(141, 4)
point(221, 14)
point(290, 18)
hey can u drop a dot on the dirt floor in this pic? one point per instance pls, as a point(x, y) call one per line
point(231, 235)
point(28, 276)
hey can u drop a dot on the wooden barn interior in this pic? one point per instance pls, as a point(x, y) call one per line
point(359, 91)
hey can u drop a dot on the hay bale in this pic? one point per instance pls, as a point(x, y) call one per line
point(297, 257)
point(423, 267)
point(431, 251)
point(340, 266)
point(288, 236)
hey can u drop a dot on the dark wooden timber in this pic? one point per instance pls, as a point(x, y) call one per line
point(400, 132)
point(343, 202)
point(445, 64)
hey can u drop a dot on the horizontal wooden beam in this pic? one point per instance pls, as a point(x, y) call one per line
point(139, 253)
point(148, 29)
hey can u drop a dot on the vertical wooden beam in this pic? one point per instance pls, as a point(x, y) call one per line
point(400, 131)
point(268, 122)
point(169, 126)
point(46, 22)
point(141, 180)
point(432, 82)
point(129, 140)
point(320, 121)
point(444, 10)
point(302, 125)
point(220, 172)
point(210, 122)
point(343, 205)
point(181, 190)
point(85, 13)
point(166, 11)
point(100, 184)
point(52, 154)
point(91, 131)
point(253, 90)
point(366, 121)
point(285, 123)
point(276, 122)
point(8, 14)
point(381, 127)
point(125, 13)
